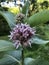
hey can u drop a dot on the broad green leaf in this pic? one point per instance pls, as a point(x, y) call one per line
point(9, 60)
point(10, 57)
point(6, 45)
point(39, 18)
point(28, 60)
point(16, 54)
point(37, 40)
point(9, 17)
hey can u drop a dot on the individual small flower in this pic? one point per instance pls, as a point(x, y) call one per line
point(21, 35)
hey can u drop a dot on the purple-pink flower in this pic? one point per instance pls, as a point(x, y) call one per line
point(21, 35)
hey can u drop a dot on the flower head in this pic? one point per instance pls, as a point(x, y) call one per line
point(21, 35)
point(19, 18)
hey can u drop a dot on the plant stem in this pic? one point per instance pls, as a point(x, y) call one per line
point(23, 56)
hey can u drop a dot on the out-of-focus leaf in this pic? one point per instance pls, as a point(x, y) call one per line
point(1, 9)
point(10, 57)
point(28, 60)
point(39, 62)
point(25, 8)
point(37, 40)
point(9, 17)
point(4, 37)
point(16, 54)
point(9, 60)
point(6, 45)
point(38, 18)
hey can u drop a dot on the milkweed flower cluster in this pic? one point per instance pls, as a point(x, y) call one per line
point(21, 35)
point(19, 18)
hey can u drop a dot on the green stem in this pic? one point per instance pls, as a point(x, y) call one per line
point(23, 56)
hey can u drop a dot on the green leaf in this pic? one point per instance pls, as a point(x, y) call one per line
point(16, 54)
point(10, 57)
point(6, 45)
point(25, 8)
point(37, 40)
point(28, 60)
point(38, 18)
point(9, 60)
point(9, 17)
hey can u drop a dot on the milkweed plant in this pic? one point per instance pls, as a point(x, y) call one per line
point(21, 35)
